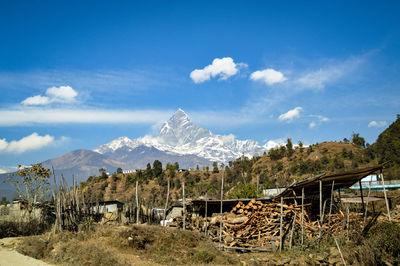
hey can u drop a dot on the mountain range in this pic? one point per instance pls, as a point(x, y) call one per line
point(179, 140)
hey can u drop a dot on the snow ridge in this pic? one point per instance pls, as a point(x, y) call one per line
point(181, 136)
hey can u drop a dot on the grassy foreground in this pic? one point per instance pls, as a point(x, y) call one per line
point(154, 245)
point(124, 245)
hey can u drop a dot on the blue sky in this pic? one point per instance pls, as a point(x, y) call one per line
point(77, 74)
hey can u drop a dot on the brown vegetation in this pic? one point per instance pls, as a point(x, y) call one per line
point(124, 245)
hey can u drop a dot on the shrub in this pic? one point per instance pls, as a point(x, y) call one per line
point(203, 256)
point(13, 228)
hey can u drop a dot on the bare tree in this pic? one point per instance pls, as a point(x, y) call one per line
point(31, 184)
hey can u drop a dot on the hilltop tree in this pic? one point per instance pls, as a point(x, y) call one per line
point(119, 170)
point(171, 170)
point(4, 200)
point(357, 140)
point(289, 147)
point(103, 173)
point(149, 171)
point(301, 146)
point(176, 165)
point(215, 167)
point(157, 168)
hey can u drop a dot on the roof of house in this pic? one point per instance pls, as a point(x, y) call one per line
point(342, 180)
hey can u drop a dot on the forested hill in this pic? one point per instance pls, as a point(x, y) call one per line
point(280, 167)
point(387, 149)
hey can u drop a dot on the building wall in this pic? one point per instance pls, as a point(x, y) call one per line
point(16, 212)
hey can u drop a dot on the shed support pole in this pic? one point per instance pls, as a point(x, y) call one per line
point(362, 196)
point(206, 220)
point(302, 216)
point(166, 205)
point(366, 207)
point(330, 205)
point(320, 207)
point(386, 199)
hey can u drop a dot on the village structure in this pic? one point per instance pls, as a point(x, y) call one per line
point(282, 218)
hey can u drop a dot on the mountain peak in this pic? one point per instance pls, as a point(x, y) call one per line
point(179, 117)
point(179, 130)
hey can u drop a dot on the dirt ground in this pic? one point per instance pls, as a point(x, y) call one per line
point(10, 257)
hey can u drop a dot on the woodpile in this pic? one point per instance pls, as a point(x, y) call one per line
point(261, 224)
point(258, 224)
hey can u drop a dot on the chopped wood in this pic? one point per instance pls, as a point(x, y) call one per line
point(257, 224)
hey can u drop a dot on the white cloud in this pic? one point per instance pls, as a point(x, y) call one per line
point(331, 73)
point(274, 144)
point(3, 144)
point(269, 76)
point(321, 119)
point(290, 115)
point(27, 116)
point(377, 124)
point(7, 169)
point(318, 79)
point(62, 94)
point(31, 142)
point(36, 100)
point(222, 67)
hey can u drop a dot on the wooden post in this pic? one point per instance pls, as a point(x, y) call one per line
point(183, 203)
point(320, 206)
point(340, 252)
point(257, 188)
point(320, 199)
point(366, 207)
point(302, 216)
point(384, 192)
point(137, 203)
point(330, 206)
point(294, 198)
point(348, 220)
point(362, 196)
point(206, 222)
point(166, 204)
point(293, 224)
point(222, 198)
point(280, 227)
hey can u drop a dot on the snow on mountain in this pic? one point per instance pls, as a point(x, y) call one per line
point(181, 136)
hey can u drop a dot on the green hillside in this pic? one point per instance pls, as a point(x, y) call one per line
point(387, 149)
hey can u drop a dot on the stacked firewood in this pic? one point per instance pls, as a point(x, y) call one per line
point(262, 226)
point(258, 224)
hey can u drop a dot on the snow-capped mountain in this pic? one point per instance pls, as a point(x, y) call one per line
point(180, 136)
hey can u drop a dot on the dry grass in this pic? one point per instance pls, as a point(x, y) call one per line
point(125, 245)
point(155, 245)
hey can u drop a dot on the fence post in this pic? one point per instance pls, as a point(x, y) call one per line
point(183, 203)
point(280, 227)
point(302, 216)
point(137, 204)
point(386, 200)
point(222, 197)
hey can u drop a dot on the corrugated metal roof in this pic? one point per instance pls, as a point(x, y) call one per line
point(342, 180)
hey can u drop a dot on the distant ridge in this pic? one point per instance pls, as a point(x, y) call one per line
point(181, 136)
point(179, 140)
